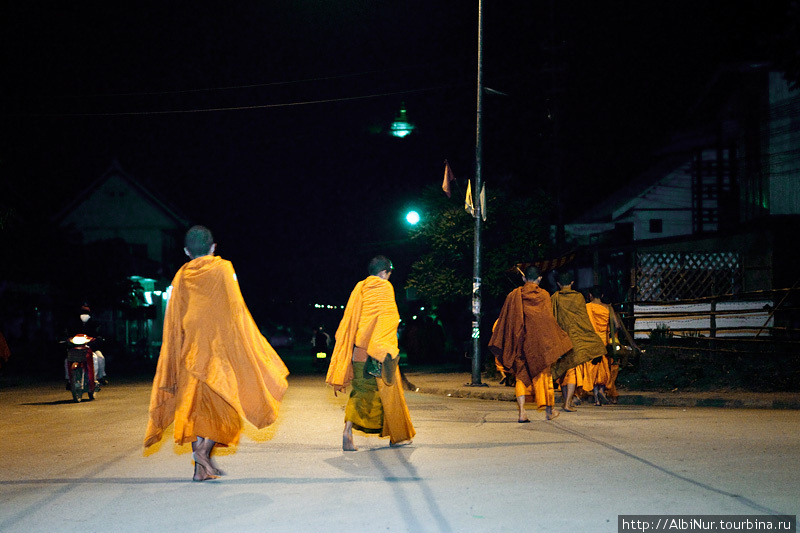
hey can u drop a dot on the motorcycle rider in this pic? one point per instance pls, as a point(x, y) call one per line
point(86, 325)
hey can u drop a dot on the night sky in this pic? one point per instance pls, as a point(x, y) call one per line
point(293, 168)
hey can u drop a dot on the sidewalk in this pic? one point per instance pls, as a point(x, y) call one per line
point(446, 382)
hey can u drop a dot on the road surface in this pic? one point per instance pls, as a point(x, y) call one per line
point(81, 467)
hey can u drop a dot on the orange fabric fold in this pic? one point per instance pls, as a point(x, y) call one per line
point(215, 367)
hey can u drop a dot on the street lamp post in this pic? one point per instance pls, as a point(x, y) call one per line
point(476, 275)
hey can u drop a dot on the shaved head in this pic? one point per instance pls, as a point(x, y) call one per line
point(198, 241)
point(532, 273)
point(378, 264)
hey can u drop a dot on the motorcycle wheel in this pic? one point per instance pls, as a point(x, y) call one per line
point(77, 383)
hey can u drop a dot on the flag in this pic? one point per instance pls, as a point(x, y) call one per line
point(483, 201)
point(448, 177)
point(469, 207)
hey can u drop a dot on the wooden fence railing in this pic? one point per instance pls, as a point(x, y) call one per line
point(753, 315)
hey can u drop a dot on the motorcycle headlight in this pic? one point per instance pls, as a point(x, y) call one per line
point(79, 339)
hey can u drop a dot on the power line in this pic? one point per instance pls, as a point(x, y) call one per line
point(246, 86)
point(239, 108)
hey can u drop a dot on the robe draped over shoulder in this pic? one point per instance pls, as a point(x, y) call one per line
point(214, 361)
point(569, 308)
point(370, 321)
point(526, 338)
point(599, 316)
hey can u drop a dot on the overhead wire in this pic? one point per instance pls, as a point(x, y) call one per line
point(239, 108)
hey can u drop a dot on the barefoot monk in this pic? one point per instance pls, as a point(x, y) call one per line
point(215, 367)
point(569, 308)
point(366, 356)
point(527, 340)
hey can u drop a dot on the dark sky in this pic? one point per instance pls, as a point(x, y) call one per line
point(293, 169)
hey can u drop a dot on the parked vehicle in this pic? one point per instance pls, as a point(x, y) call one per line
point(80, 367)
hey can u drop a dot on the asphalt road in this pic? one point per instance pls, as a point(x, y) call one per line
point(80, 467)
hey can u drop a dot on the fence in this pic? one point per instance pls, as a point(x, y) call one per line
point(773, 313)
point(749, 341)
point(668, 276)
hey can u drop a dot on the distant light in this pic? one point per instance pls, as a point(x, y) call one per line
point(412, 217)
point(148, 297)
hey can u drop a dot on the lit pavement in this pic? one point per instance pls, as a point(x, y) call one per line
point(80, 467)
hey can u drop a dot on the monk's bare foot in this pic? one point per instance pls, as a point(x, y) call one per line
point(205, 462)
point(201, 474)
point(523, 420)
point(214, 468)
point(401, 443)
point(347, 444)
point(552, 414)
point(568, 409)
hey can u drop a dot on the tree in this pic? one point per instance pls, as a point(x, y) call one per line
point(515, 231)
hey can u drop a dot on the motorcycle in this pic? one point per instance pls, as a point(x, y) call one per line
point(80, 367)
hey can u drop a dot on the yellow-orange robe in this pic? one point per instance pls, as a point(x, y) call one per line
point(569, 309)
point(215, 367)
point(370, 322)
point(605, 373)
point(526, 338)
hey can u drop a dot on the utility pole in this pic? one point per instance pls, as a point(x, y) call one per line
point(476, 275)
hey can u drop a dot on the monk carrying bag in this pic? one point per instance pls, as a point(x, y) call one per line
point(386, 370)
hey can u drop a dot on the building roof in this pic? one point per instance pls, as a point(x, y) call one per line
point(115, 170)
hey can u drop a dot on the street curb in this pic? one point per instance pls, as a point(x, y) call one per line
point(651, 400)
point(751, 403)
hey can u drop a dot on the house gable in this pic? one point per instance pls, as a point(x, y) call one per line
point(118, 207)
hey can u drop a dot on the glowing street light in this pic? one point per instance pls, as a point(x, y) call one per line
point(412, 217)
point(401, 126)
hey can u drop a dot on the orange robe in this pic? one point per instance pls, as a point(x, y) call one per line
point(606, 374)
point(527, 340)
point(370, 322)
point(569, 308)
point(215, 368)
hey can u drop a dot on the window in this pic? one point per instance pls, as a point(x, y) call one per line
point(656, 225)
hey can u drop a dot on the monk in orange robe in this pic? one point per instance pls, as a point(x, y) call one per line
point(527, 340)
point(569, 309)
point(215, 368)
point(604, 321)
point(366, 356)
